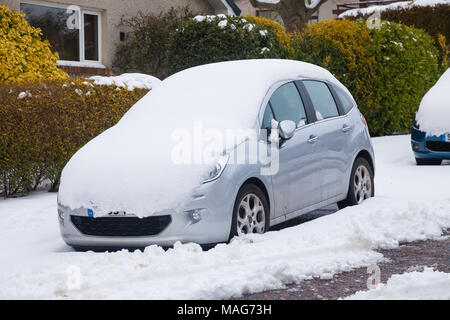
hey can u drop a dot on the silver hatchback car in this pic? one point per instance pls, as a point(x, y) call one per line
point(325, 157)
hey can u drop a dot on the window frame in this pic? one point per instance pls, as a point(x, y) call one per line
point(83, 62)
point(99, 36)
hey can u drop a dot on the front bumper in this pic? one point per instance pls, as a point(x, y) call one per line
point(205, 220)
point(419, 141)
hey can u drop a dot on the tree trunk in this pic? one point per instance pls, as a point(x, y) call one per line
point(295, 13)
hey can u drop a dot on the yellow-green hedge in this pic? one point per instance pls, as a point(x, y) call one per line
point(43, 124)
point(387, 69)
point(435, 20)
point(23, 55)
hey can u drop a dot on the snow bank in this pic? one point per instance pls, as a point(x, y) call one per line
point(426, 285)
point(130, 166)
point(130, 81)
point(320, 248)
point(393, 6)
point(433, 115)
point(37, 267)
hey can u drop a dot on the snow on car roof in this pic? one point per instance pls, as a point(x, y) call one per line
point(433, 115)
point(225, 93)
point(131, 166)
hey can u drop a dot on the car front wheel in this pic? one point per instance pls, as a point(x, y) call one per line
point(251, 212)
point(361, 184)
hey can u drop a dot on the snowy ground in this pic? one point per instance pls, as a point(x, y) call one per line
point(427, 285)
point(411, 203)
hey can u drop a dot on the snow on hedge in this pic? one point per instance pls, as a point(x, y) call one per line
point(426, 285)
point(210, 18)
point(130, 166)
point(130, 81)
point(393, 6)
point(433, 115)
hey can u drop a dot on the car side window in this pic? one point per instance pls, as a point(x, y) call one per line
point(268, 117)
point(322, 99)
point(346, 102)
point(288, 105)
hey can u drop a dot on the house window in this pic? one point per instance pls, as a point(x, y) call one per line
point(61, 26)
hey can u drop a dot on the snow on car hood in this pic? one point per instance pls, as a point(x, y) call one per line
point(130, 167)
point(433, 116)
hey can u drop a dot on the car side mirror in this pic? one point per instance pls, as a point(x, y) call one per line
point(287, 129)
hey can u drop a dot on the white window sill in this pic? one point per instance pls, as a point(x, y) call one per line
point(85, 64)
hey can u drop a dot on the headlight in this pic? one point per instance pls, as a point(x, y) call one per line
point(61, 216)
point(218, 169)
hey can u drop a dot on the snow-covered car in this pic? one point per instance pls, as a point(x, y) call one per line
point(298, 143)
point(430, 133)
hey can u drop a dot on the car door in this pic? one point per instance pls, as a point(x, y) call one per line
point(294, 182)
point(332, 131)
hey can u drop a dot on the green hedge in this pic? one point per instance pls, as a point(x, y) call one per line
point(220, 38)
point(44, 124)
point(145, 47)
point(388, 70)
point(433, 19)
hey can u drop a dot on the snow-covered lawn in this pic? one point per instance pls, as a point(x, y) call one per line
point(411, 203)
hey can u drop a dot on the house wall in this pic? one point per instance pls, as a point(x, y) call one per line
point(113, 10)
point(325, 11)
point(246, 7)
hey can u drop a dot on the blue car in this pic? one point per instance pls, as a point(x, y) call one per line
point(429, 150)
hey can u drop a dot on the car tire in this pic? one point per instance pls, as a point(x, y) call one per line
point(361, 185)
point(250, 212)
point(428, 162)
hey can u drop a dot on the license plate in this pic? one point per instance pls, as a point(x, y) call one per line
point(117, 214)
point(447, 137)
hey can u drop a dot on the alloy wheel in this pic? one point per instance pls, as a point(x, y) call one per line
point(251, 217)
point(362, 184)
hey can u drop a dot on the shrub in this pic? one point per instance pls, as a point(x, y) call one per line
point(433, 19)
point(23, 55)
point(44, 124)
point(388, 70)
point(145, 48)
point(283, 37)
point(211, 39)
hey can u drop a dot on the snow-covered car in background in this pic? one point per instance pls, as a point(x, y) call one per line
point(140, 182)
point(430, 134)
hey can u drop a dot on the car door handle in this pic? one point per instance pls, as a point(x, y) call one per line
point(313, 139)
point(346, 128)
